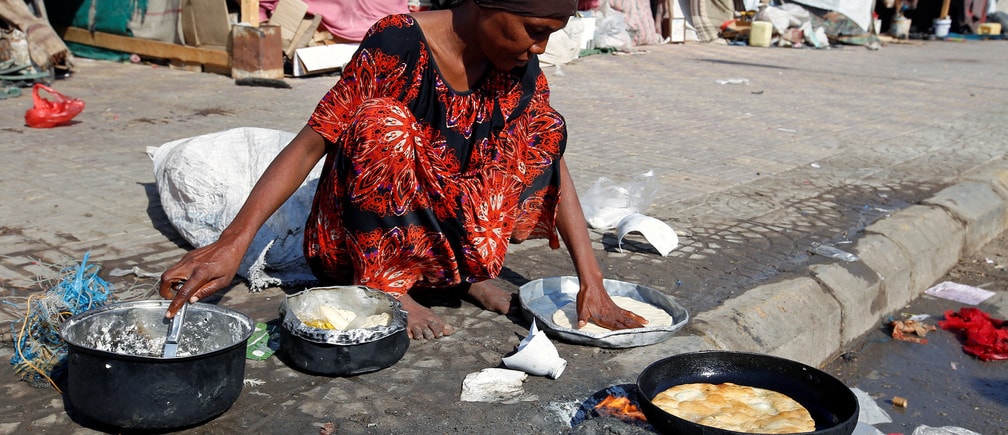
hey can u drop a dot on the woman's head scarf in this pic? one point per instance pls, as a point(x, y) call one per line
point(533, 8)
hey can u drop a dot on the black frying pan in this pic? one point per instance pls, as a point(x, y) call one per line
point(832, 404)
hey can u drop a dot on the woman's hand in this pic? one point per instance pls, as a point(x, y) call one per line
point(595, 305)
point(200, 273)
point(206, 270)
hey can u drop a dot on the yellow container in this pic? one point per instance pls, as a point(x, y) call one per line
point(989, 29)
point(759, 35)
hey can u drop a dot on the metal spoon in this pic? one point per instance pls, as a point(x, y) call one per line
point(171, 343)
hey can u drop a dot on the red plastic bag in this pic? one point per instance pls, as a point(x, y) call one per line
point(985, 337)
point(48, 114)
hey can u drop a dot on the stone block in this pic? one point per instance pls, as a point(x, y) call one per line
point(931, 234)
point(981, 210)
point(775, 319)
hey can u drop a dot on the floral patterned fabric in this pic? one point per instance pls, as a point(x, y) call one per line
point(423, 184)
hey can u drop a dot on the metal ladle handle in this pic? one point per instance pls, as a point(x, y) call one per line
point(176, 325)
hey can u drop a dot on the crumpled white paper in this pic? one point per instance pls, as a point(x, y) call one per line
point(966, 294)
point(495, 385)
point(656, 232)
point(536, 355)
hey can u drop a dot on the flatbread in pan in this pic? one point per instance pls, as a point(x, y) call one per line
point(737, 408)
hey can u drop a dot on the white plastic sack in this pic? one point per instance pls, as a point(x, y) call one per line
point(611, 30)
point(563, 45)
point(203, 181)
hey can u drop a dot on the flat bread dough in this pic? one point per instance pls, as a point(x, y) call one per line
point(566, 316)
point(735, 407)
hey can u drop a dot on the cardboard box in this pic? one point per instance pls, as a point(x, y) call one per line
point(205, 23)
point(989, 28)
point(322, 58)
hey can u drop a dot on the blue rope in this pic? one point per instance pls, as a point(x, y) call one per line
point(41, 349)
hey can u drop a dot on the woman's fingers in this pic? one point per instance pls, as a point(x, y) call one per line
point(619, 319)
point(183, 290)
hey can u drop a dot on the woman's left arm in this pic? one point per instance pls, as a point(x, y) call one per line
point(593, 302)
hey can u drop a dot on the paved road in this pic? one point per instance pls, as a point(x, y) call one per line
point(818, 146)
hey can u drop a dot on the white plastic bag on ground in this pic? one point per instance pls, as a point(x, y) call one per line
point(203, 181)
point(944, 430)
point(607, 202)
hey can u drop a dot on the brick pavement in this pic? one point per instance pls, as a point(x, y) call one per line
point(819, 145)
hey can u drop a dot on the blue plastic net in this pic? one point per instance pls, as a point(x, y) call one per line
point(39, 349)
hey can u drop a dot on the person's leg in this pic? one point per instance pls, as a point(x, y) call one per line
point(421, 322)
point(492, 297)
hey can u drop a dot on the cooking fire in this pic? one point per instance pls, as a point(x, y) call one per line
point(617, 401)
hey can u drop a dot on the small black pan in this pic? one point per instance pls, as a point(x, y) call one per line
point(832, 404)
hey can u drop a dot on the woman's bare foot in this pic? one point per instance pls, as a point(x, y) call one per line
point(491, 297)
point(421, 322)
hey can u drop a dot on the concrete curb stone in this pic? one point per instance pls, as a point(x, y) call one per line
point(930, 237)
point(795, 319)
point(893, 268)
point(811, 319)
point(977, 206)
point(858, 289)
point(996, 176)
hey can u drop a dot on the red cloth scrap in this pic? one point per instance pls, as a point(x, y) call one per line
point(984, 337)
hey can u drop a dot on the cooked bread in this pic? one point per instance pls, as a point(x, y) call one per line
point(736, 407)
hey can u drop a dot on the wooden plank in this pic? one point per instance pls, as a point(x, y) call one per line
point(250, 12)
point(147, 47)
point(288, 15)
point(303, 35)
point(205, 23)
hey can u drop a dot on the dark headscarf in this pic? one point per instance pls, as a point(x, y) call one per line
point(533, 8)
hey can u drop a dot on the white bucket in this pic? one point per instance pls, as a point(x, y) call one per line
point(941, 27)
point(900, 27)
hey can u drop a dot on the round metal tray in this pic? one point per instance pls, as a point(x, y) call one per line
point(542, 297)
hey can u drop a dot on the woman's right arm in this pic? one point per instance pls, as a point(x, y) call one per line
point(204, 271)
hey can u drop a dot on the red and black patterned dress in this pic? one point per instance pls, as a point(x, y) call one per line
point(424, 185)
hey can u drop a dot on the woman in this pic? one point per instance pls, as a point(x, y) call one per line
point(440, 147)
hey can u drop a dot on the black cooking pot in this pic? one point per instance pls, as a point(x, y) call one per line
point(117, 377)
point(343, 352)
point(833, 406)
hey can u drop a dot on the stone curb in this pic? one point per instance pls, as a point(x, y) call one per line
point(809, 319)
